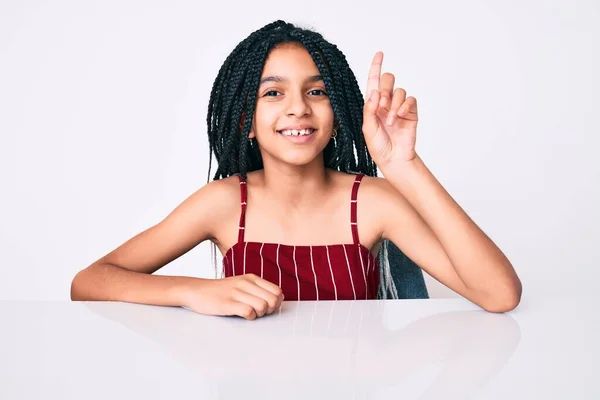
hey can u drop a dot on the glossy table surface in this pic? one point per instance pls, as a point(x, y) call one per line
point(382, 349)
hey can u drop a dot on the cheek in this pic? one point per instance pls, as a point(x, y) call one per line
point(265, 119)
point(325, 112)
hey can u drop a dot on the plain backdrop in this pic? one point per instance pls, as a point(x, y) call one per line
point(103, 122)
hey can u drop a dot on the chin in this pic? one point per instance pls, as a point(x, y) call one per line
point(299, 158)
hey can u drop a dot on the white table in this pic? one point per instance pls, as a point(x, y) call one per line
point(416, 349)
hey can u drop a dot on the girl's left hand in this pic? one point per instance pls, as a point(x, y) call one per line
point(389, 118)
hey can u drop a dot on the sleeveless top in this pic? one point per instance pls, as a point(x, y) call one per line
point(321, 272)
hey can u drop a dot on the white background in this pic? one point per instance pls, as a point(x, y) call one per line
point(103, 109)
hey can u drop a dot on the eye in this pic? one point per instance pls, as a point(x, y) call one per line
point(270, 93)
point(321, 92)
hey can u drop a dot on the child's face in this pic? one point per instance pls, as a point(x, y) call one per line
point(292, 95)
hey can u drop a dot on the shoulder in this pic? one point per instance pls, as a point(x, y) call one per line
point(223, 192)
point(383, 200)
point(214, 200)
point(377, 200)
point(226, 192)
point(374, 188)
point(374, 193)
point(371, 187)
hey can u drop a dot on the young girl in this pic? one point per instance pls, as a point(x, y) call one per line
point(296, 207)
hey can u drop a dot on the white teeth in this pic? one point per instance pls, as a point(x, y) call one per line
point(297, 132)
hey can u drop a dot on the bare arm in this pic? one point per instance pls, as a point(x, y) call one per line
point(125, 273)
point(430, 227)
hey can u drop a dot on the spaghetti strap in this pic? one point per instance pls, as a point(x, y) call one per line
point(244, 197)
point(353, 208)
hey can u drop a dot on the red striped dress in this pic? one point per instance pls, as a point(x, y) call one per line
point(322, 272)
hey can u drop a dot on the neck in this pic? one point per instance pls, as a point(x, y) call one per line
point(296, 186)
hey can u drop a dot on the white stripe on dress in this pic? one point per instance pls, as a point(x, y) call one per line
point(261, 260)
point(362, 268)
point(245, 244)
point(278, 266)
point(296, 269)
point(349, 272)
point(232, 264)
point(330, 269)
point(314, 273)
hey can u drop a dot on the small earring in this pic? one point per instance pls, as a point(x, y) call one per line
point(333, 137)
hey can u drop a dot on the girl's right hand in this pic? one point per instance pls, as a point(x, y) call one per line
point(248, 296)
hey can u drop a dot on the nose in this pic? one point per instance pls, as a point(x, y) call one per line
point(297, 105)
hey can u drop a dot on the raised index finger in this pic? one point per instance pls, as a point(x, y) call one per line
point(374, 73)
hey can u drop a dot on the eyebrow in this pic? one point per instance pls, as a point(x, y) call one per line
point(277, 78)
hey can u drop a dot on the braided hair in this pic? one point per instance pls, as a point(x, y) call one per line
point(233, 101)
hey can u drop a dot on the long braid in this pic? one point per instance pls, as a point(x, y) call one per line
point(253, 80)
point(354, 123)
point(356, 104)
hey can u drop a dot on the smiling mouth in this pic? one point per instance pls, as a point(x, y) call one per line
point(297, 132)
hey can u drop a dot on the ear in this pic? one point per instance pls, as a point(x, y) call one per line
point(251, 134)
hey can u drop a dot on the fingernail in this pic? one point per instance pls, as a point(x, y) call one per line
point(383, 101)
point(390, 119)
